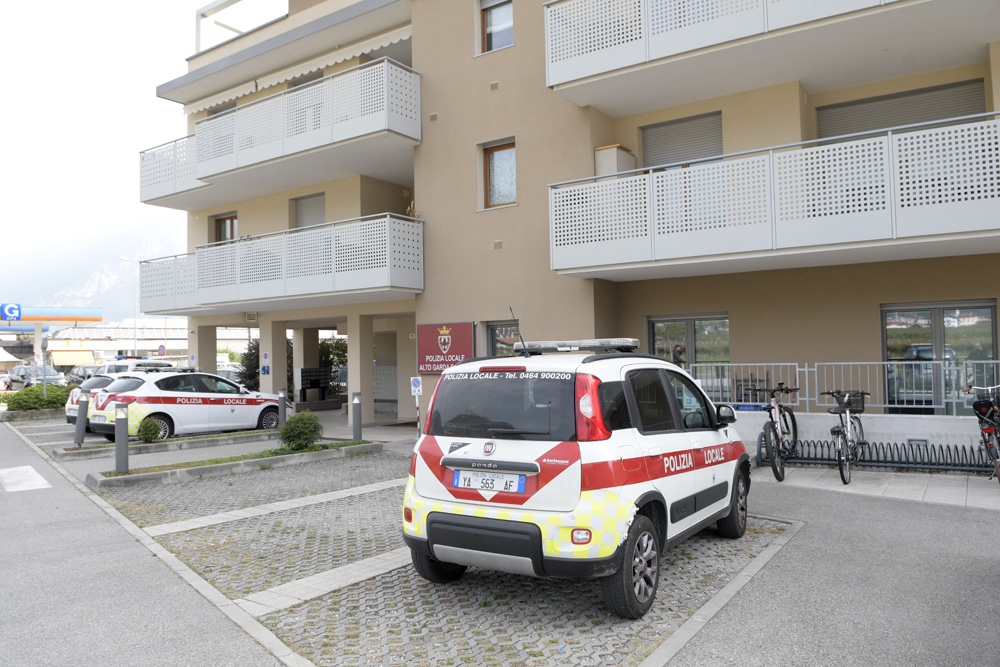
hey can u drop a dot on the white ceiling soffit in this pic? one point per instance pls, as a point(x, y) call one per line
point(322, 62)
point(221, 98)
point(338, 56)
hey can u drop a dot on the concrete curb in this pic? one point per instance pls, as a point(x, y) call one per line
point(29, 415)
point(98, 482)
point(72, 454)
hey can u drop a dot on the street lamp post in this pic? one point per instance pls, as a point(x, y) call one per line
point(135, 308)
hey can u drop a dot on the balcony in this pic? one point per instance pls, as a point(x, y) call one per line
point(377, 258)
point(864, 198)
point(362, 121)
point(625, 57)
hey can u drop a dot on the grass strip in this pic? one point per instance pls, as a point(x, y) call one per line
point(267, 453)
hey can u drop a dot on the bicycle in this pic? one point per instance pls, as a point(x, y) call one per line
point(989, 424)
point(849, 435)
point(780, 419)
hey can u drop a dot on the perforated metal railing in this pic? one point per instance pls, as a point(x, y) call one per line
point(383, 251)
point(588, 37)
point(167, 169)
point(895, 183)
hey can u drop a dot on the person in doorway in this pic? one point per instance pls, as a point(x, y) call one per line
point(678, 355)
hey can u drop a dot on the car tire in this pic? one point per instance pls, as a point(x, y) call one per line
point(435, 571)
point(734, 524)
point(109, 437)
point(164, 424)
point(268, 419)
point(631, 590)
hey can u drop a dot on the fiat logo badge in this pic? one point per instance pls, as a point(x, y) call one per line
point(489, 448)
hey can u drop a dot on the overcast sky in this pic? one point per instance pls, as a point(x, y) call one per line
point(80, 104)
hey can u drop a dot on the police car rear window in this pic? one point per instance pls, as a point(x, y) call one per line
point(95, 383)
point(505, 406)
point(123, 384)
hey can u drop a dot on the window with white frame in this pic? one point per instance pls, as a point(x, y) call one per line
point(497, 20)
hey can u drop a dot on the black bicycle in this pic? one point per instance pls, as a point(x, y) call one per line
point(989, 424)
point(848, 436)
point(781, 433)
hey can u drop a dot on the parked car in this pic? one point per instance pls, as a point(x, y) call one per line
point(80, 373)
point(585, 464)
point(4, 379)
point(25, 376)
point(129, 365)
point(182, 401)
point(91, 385)
point(229, 373)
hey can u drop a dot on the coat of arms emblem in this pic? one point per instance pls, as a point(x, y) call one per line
point(444, 339)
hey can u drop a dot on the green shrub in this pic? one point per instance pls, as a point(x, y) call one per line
point(300, 431)
point(149, 430)
point(32, 399)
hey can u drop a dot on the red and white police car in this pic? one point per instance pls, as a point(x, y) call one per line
point(585, 464)
point(91, 385)
point(182, 401)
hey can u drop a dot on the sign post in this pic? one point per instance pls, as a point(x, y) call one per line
point(417, 389)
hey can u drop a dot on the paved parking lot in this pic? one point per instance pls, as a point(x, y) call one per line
point(315, 553)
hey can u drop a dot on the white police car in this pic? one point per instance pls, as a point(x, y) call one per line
point(92, 385)
point(587, 464)
point(182, 401)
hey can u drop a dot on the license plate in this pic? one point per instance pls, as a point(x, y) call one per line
point(71, 411)
point(488, 481)
point(98, 419)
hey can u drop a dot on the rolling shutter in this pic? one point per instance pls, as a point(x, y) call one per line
point(682, 140)
point(918, 106)
point(310, 210)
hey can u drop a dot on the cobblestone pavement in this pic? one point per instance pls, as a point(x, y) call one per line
point(491, 618)
point(397, 618)
point(153, 504)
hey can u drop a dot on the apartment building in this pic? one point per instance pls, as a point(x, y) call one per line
point(790, 183)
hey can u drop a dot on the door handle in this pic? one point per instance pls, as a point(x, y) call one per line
point(654, 452)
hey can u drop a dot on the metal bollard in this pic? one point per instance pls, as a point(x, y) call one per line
point(121, 438)
point(81, 418)
point(282, 408)
point(356, 415)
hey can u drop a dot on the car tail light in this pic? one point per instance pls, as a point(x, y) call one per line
point(407, 515)
point(413, 465)
point(581, 536)
point(589, 420)
point(127, 400)
point(430, 408)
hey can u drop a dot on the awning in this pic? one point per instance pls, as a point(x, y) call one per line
point(322, 62)
point(72, 357)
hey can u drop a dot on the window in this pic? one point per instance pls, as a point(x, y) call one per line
point(688, 340)
point(695, 413)
point(310, 210)
point(498, 24)
point(655, 411)
point(218, 385)
point(499, 171)
point(502, 337)
point(682, 140)
point(226, 228)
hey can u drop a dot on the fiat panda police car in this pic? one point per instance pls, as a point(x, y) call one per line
point(179, 401)
point(585, 464)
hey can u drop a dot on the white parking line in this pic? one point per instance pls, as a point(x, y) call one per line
point(260, 510)
point(23, 478)
point(318, 585)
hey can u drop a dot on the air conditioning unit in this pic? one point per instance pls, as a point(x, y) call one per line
point(251, 317)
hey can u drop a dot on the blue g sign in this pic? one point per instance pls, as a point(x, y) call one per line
point(10, 311)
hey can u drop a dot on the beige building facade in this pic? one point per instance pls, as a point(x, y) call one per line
point(769, 182)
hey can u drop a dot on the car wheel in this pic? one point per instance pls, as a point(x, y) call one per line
point(268, 419)
point(109, 437)
point(435, 571)
point(735, 523)
point(166, 428)
point(630, 591)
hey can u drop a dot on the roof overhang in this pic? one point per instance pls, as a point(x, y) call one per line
point(342, 27)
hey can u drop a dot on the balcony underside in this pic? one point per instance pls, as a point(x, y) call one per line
point(795, 258)
point(896, 40)
point(293, 303)
point(385, 155)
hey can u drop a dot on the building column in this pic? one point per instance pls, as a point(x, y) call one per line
point(406, 366)
point(360, 367)
point(273, 357)
point(305, 354)
point(202, 348)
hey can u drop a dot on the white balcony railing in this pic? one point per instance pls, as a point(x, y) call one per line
point(377, 96)
point(588, 37)
point(377, 252)
point(900, 183)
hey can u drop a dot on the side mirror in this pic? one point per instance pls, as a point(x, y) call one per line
point(726, 415)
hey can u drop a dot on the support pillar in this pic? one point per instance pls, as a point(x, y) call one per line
point(273, 356)
point(406, 366)
point(361, 364)
point(39, 353)
point(305, 354)
point(202, 348)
